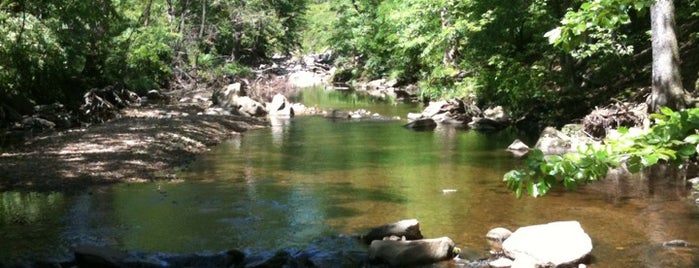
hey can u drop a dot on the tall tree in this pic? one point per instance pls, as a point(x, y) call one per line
point(667, 87)
point(605, 16)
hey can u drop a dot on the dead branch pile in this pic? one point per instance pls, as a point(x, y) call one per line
point(613, 116)
point(102, 104)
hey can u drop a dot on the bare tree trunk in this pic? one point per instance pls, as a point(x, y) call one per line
point(667, 87)
point(146, 13)
point(170, 12)
point(203, 19)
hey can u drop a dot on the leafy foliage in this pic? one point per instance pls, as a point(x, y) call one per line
point(673, 139)
point(55, 51)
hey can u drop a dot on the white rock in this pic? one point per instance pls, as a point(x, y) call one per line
point(557, 243)
point(518, 145)
point(501, 263)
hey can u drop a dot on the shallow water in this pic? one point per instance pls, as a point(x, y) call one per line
point(310, 177)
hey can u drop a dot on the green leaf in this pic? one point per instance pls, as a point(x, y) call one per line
point(687, 151)
point(667, 111)
point(693, 139)
point(622, 130)
point(633, 164)
point(649, 160)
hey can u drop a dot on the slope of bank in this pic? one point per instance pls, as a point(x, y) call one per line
point(145, 143)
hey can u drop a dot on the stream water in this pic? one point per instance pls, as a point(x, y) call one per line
point(310, 177)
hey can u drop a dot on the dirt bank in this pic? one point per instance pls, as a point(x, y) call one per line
point(146, 143)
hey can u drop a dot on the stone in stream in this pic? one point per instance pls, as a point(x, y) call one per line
point(410, 229)
point(403, 253)
point(92, 256)
point(548, 245)
point(518, 146)
point(495, 238)
point(424, 124)
point(280, 107)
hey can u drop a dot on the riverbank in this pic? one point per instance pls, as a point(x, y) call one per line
point(146, 143)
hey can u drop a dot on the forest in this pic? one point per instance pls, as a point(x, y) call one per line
point(547, 62)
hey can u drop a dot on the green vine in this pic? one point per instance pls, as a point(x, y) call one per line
point(673, 139)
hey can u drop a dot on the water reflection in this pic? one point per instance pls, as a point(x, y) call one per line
point(279, 127)
point(309, 178)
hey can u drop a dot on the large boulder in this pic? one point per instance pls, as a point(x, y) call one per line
point(568, 139)
point(494, 118)
point(223, 97)
point(402, 253)
point(410, 229)
point(452, 111)
point(234, 98)
point(548, 245)
point(247, 106)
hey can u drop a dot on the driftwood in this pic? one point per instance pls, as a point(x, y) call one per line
point(613, 116)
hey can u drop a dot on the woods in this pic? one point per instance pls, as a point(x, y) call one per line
point(534, 57)
point(55, 51)
point(547, 63)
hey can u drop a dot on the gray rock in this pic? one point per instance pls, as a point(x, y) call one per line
point(569, 139)
point(92, 256)
point(410, 253)
point(280, 106)
point(553, 141)
point(556, 243)
point(247, 106)
point(434, 108)
point(485, 124)
point(518, 145)
point(497, 114)
point(234, 97)
point(425, 124)
point(410, 229)
point(37, 123)
point(224, 97)
point(496, 237)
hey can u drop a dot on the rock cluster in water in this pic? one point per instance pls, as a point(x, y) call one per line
point(459, 112)
point(399, 244)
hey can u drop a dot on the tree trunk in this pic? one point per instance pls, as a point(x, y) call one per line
point(667, 87)
point(203, 19)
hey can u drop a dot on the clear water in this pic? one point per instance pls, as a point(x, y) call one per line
point(310, 177)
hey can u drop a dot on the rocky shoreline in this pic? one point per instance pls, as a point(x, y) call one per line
point(398, 244)
point(146, 143)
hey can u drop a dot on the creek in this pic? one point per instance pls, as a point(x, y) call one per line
point(309, 178)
